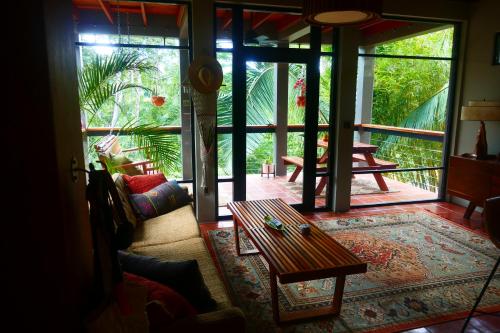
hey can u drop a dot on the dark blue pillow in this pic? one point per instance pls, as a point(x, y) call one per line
point(182, 276)
point(159, 200)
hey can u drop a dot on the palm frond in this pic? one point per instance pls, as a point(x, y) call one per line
point(163, 149)
point(260, 95)
point(430, 115)
point(225, 109)
point(98, 81)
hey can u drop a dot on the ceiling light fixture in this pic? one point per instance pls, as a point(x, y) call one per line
point(341, 12)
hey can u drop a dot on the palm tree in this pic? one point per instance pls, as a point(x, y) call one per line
point(410, 152)
point(260, 111)
point(100, 82)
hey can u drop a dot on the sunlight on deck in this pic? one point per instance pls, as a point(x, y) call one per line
point(364, 191)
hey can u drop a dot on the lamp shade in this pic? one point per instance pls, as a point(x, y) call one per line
point(481, 110)
point(341, 12)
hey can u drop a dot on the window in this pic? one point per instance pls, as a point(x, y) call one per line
point(158, 48)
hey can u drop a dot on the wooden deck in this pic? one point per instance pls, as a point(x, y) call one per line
point(270, 188)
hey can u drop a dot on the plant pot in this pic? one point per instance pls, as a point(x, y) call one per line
point(301, 101)
point(267, 168)
point(158, 100)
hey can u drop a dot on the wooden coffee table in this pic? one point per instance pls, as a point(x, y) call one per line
point(293, 257)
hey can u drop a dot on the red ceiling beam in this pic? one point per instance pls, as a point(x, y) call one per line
point(261, 19)
point(180, 15)
point(289, 23)
point(105, 9)
point(143, 12)
point(370, 23)
point(114, 10)
point(227, 23)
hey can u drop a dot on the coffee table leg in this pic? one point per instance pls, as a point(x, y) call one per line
point(236, 236)
point(274, 294)
point(339, 293)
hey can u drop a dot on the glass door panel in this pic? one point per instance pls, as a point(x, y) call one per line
point(275, 113)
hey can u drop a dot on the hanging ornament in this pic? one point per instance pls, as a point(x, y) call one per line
point(158, 100)
point(301, 99)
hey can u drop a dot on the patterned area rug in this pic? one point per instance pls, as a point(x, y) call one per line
point(358, 186)
point(421, 269)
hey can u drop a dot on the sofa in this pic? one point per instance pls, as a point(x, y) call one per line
point(176, 236)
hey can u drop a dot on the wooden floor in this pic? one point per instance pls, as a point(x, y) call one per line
point(278, 187)
point(451, 212)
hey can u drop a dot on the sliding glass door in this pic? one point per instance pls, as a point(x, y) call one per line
point(269, 108)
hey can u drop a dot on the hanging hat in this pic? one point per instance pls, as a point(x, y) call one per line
point(205, 74)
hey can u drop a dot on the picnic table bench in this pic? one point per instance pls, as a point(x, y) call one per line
point(362, 152)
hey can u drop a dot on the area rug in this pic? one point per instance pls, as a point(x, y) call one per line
point(421, 270)
point(358, 186)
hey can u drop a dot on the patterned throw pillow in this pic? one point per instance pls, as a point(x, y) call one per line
point(143, 183)
point(160, 200)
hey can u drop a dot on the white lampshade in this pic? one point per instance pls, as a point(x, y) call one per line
point(481, 110)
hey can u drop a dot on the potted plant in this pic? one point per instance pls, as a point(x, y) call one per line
point(267, 168)
point(158, 100)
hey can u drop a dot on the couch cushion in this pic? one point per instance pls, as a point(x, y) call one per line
point(160, 200)
point(143, 183)
point(175, 226)
point(193, 248)
point(164, 304)
point(122, 192)
point(183, 276)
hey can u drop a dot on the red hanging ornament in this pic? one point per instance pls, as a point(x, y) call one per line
point(158, 100)
point(301, 99)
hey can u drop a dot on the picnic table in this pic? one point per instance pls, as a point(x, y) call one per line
point(362, 156)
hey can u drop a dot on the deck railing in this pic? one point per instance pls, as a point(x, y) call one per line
point(224, 129)
point(421, 165)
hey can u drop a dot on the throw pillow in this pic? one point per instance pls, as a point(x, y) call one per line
point(111, 319)
point(182, 276)
point(120, 159)
point(143, 183)
point(164, 304)
point(123, 193)
point(160, 200)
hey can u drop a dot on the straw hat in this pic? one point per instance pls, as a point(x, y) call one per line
point(205, 74)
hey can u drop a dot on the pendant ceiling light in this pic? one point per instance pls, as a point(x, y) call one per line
point(341, 12)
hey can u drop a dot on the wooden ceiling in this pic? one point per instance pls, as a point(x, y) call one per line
point(279, 24)
point(109, 8)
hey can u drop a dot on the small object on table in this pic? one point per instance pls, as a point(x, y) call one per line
point(273, 223)
point(305, 229)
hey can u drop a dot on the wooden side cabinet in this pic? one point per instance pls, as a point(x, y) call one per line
point(473, 180)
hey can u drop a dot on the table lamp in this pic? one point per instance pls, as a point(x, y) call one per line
point(482, 111)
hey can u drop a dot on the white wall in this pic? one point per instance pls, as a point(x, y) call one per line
point(481, 80)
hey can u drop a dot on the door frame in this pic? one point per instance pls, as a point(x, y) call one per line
point(311, 58)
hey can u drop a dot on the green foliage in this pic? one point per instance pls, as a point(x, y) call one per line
point(98, 83)
point(135, 103)
point(104, 83)
point(412, 93)
point(260, 111)
point(163, 149)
